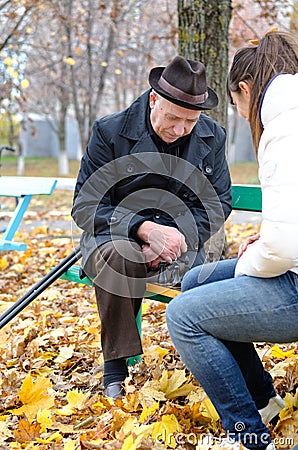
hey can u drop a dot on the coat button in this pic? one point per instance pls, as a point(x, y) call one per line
point(130, 168)
point(156, 215)
point(208, 169)
point(113, 219)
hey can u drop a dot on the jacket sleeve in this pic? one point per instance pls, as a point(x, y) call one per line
point(276, 251)
point(92, 209)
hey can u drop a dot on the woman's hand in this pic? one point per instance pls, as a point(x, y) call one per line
point(246, 243)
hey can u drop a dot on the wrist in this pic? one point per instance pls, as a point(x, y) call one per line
point(144, 230)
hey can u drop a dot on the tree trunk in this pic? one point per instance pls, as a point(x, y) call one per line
point(62, 158)
point(203, 28)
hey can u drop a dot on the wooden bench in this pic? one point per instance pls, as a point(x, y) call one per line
point(22, 189)
point(244, 198)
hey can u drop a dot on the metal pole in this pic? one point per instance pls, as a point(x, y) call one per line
point(40, 286)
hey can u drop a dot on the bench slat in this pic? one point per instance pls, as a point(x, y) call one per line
point(247, 197)
point(20, 186)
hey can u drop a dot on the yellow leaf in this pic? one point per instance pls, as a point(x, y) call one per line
point(118, 71)
point(145, 308)
point(176, 384)
point(129, 444)
point(8, 61)
point(277, 352)
point(164, 431)
point(76, 400)
point(148, 411)
point(291, 401)
point(209, 411)
point(70, 61)
point(25, 83)
point(54, 437)
point(127, 428)
point(34, 396)
point(104, 64)
point(161, 352)
point(70, 445)
point(3, 263)
point(44, 420)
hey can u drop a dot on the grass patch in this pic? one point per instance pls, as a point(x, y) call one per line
point(244, 173)
point(36, 167)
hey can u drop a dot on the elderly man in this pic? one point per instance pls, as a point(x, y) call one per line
point(153, 186)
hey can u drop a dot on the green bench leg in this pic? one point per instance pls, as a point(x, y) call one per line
point(137, 359)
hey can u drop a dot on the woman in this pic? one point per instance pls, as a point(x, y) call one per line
point(228, 305)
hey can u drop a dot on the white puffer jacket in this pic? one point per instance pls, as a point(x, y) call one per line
point(276, 251)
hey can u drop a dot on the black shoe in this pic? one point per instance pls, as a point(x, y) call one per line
point(114, 390)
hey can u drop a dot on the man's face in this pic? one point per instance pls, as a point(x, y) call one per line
point(170, 121)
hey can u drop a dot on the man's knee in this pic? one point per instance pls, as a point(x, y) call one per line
point(119, 268)
point(120, 254)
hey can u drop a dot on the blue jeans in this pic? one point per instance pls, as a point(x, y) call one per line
point(213, 325)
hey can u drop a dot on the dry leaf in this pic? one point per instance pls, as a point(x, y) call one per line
point(34, 396)
point(26, 432)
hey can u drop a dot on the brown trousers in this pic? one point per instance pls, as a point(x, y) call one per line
point(119, 274)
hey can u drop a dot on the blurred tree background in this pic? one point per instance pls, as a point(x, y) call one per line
point(81, 59)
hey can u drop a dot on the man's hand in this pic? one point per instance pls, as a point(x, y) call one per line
point(152, 259)
point(246, 243)
point(165, 242)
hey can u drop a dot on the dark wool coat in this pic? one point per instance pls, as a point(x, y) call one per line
point(124, 180)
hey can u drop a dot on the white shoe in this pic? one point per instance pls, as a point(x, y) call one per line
point(275, 405)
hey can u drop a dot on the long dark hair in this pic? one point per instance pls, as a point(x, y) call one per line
point(277, 52)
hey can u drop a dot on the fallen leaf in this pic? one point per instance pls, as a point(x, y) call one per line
point(277, 352)
point(176, 384)
point(34, 396)
point(26, 432)
point(76, 400)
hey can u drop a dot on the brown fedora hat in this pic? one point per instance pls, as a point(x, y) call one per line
point(184, 83)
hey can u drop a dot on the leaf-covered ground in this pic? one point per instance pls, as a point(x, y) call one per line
point(51, 366)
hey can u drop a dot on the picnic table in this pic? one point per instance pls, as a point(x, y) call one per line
point(22, 189)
